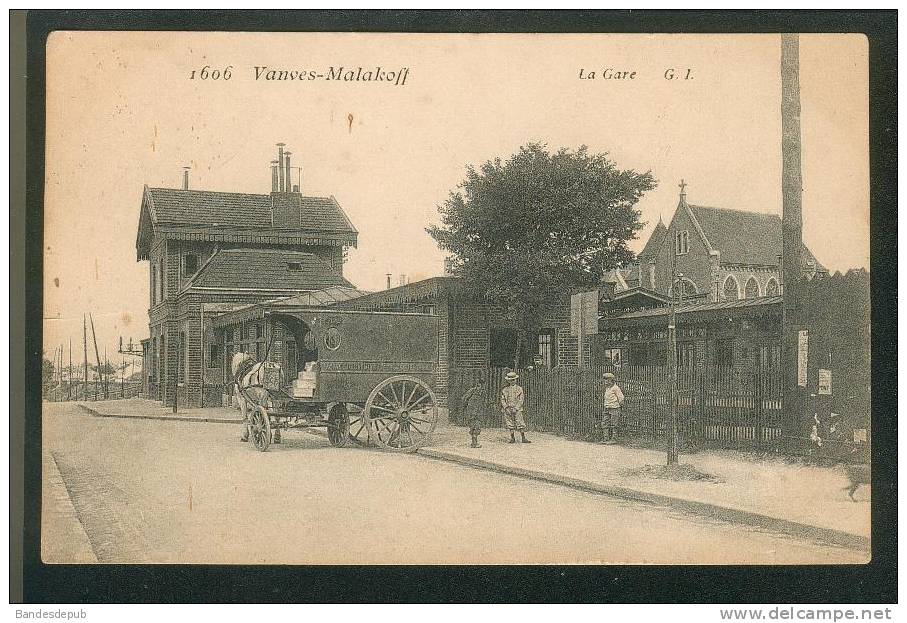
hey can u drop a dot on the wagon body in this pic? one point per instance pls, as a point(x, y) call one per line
point(358, 350)
point(366, 376)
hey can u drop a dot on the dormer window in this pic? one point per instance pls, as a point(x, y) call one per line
point(294, 265)
point(682, 242)
point(190, 264)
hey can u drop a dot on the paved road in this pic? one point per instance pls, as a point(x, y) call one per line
point(168, 492)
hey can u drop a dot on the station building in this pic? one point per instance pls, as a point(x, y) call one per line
point(209, 252)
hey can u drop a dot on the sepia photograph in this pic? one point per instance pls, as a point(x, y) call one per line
point(349, 298)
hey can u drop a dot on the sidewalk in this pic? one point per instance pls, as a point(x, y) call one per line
point(798, 499)
point(153, 410)
point(63, 538)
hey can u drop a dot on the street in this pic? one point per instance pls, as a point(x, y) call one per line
point(149, 491)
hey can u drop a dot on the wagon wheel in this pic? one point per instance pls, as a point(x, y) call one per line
point(401, 412)
point(339, 429)
point(358, 431)
point(260, 429)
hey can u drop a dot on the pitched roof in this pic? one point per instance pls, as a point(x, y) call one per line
point(744, 237)
point(266, 270)
point(209, 208)
point(654, 242)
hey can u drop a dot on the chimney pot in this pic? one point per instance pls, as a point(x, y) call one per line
point(388, 281)
point(185, 178)
point(280, 180)
point(286, 180)
point(275, 180)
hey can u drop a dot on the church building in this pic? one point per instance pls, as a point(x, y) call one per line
point(718, 254)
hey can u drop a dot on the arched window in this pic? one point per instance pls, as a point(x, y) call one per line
point(771, 288)
point(751, 291)
point(684, 289)
point(731, 288)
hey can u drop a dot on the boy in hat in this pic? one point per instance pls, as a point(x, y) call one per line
point(474, 402)
point(512, 406)
point(613, 401)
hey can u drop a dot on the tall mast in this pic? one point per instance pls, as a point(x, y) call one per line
point(97, 355)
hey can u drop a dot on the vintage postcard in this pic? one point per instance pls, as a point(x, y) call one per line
point(347, 298)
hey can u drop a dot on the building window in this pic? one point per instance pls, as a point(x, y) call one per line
point(731, 288)
point(153, 285)
point(686, 354)
point(190, 264)
point(770, 357)
point(751, 291)
point(294, 265)
point(724, 353)
point(684, 288)
point(771, 288)
point(152, 364)
point(612, 357)
point(161, 281)
point(546, 347)
point(682, 242)
point(214, 355)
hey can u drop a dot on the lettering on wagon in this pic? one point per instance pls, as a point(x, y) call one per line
point(391, 367)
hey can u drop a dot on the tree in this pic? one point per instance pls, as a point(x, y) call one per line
point(537, 224)
point(47, 373)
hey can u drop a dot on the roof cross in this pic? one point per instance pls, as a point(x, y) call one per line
point(683, 186)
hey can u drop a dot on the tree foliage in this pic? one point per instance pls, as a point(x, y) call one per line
point(540, 223)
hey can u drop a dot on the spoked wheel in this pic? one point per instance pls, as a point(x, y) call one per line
point(358, 432)
point(401, 412)
point(260, 429)
point(339, 429)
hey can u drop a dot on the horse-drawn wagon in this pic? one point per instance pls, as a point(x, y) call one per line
point(366, 377)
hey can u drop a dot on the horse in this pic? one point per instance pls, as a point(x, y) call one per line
point(251, 382)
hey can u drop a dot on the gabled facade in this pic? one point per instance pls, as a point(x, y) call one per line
point(721, 255)
point(209, 252)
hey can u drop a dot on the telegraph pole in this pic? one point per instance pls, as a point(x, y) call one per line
point(97, 355)
point(672, 445)
point(794, 395)
point(85, 351)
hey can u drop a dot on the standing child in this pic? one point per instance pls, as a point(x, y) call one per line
point(475, 400)
point(613, 402)
point(512, 406)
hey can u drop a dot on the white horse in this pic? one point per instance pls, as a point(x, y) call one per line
point(250, 386)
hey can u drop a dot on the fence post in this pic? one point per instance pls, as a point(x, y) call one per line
point(757, 425)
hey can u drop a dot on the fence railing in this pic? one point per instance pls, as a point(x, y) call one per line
point(94, 390)
point(717, 406)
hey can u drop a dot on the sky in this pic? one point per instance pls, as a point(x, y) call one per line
point(122, 113)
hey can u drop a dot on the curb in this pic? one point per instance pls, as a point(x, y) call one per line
point(734, 515)
point(176, 418)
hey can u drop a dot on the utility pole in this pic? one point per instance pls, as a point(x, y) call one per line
point(97, 356)
point(672, 445)
point(85, 362)
point(794, 395)
point(69, 392)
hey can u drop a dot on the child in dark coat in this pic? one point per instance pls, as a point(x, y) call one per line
point(475, 401)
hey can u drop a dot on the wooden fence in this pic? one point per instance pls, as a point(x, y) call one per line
point(719, 407)
point(95, 390)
